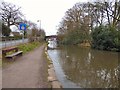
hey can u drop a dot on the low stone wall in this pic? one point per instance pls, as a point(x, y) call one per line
point(51, 73)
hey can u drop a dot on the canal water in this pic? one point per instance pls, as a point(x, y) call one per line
point(83, 67)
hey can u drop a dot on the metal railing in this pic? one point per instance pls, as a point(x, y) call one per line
point(12, 42)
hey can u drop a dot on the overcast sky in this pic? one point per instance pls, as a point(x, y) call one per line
point(50, 12)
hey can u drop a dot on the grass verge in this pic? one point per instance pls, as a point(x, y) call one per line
point(29, 46)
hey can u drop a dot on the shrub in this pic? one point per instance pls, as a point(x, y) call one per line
point(5, 30)
point(73, 37)
point(106, 38)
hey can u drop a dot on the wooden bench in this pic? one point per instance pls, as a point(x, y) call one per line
point(13, 55)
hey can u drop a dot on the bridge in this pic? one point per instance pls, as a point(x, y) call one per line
point(50, 37)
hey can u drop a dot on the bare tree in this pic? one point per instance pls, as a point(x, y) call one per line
point(11, 14)
point(102, 11)
point(116, 12)
point(33, 32)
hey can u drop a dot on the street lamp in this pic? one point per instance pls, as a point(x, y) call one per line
point(40, 27)
point(40, 23)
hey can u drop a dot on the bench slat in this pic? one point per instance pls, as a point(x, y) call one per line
point(14, 54)
point(9, 49)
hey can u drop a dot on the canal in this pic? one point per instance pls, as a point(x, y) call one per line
point(83, 67)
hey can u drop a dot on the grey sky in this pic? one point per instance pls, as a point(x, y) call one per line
point(50, 12)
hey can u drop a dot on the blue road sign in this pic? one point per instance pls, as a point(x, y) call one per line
point(22, 26)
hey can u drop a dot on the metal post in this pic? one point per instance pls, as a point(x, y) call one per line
point(15, 41)
point(40, 24)
point(23, 36)
point(5, 42)
point(10, 40)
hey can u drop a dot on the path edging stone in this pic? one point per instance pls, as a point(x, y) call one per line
point(51, 73)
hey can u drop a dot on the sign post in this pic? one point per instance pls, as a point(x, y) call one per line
point(23, 37)
point(22, 27)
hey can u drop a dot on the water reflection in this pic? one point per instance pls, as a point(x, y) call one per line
point(88, 68)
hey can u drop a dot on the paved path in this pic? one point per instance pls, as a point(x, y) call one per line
point(28, 71)
point(0, 78)
point(0, 69)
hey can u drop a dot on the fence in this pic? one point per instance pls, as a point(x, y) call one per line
point(12, 42)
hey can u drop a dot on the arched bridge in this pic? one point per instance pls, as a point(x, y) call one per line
point(50, 37)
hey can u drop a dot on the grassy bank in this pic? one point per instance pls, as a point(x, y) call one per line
point(29, 46)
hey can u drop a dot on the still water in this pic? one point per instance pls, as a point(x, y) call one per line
point(81, 67)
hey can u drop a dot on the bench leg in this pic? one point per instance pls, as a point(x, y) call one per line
point(13, 58)
point(19, 54)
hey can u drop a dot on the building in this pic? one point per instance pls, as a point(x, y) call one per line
point(15, 34)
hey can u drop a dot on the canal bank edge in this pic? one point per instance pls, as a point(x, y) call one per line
point(51, 73)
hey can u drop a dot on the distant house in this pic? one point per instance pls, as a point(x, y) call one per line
point(14, 34)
